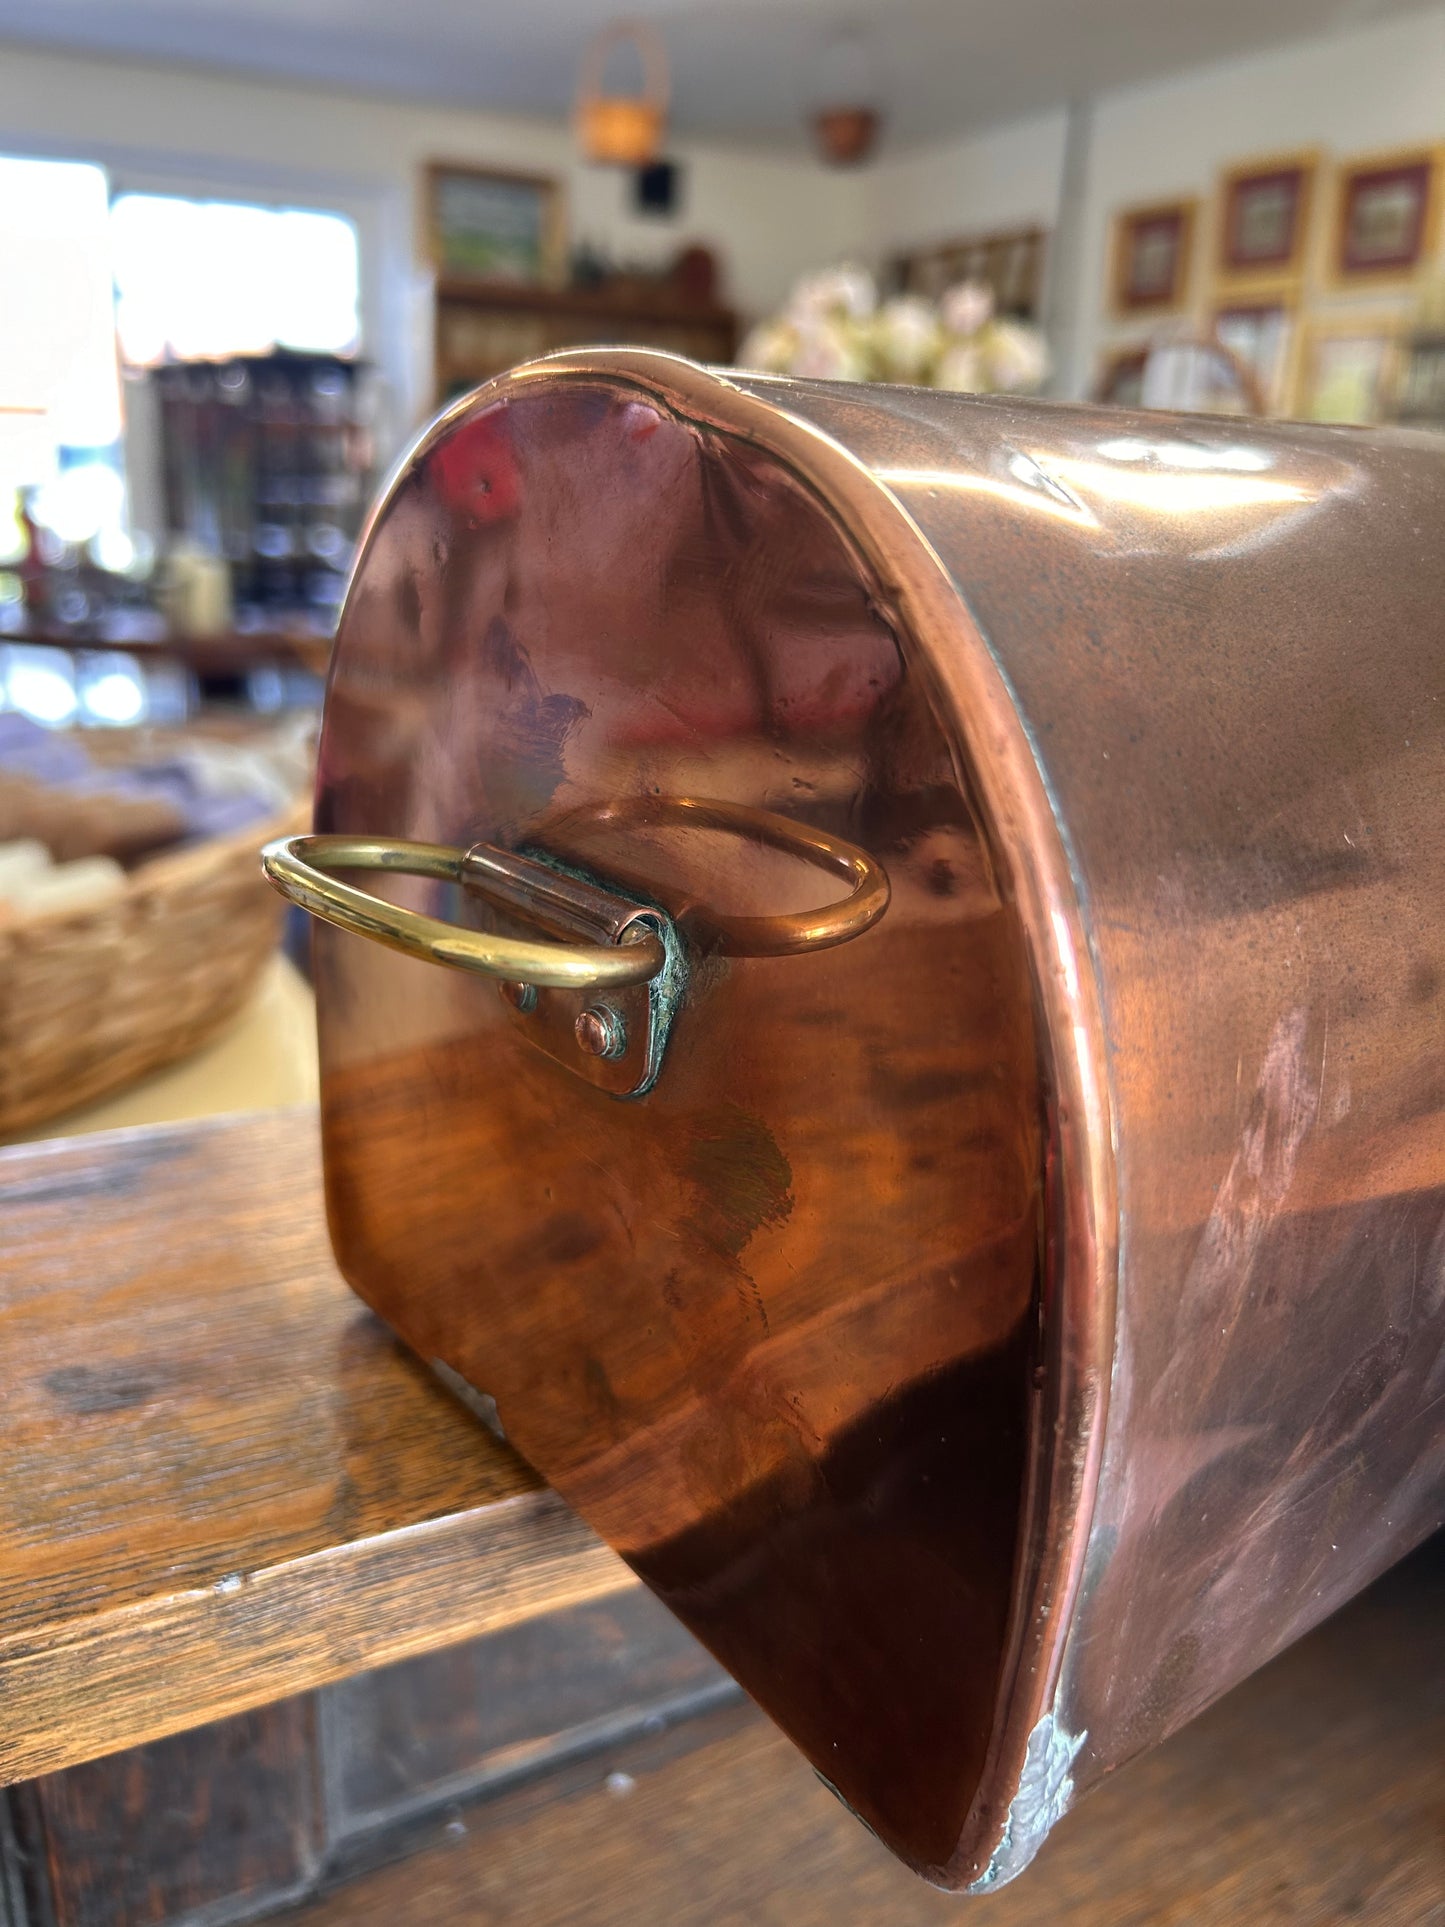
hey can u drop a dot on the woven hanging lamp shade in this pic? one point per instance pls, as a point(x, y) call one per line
point(623, 130)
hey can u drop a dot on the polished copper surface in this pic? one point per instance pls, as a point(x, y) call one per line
point(996, 1334)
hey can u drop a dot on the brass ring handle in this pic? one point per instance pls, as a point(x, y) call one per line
point(301, 867)
point(790, 934)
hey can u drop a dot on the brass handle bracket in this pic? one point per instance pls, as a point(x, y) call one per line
point(603, 1000)
point(613, 1035)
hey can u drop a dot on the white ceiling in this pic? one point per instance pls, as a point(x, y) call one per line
point(743, 69)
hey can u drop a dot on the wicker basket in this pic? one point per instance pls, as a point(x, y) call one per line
point(93, 998)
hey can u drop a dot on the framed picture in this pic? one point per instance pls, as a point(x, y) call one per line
point(1260, 334)
point(1420, 390)
point(1386, 215)
point(1151, 257)
point(1264, 218)
point(1348, 369)
point(1010, 262)
point(487, 226)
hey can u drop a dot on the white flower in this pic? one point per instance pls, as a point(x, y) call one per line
point(905, 338)
point(846, 291)
point(834, 330)
point(967, 307)
point(769, 348)
point(960, 368)
point(1016, 356)
point(829, 350)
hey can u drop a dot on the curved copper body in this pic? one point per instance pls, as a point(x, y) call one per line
point(996, 1334)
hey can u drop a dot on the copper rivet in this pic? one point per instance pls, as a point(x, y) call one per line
point(521, 997)
point(601, 1033)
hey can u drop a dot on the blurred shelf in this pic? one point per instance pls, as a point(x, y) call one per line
point(232, 653)
point(483, 328)
point(632, 299)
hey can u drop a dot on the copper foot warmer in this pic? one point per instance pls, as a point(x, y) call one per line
point(902, 1058)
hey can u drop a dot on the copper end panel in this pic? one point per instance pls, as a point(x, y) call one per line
point(738, 1570)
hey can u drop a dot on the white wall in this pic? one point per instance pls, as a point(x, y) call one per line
point(1005, 177)
point(767, 217)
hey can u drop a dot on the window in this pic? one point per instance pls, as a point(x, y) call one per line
point(201, 280)
point(161, 279)
point(59, 394)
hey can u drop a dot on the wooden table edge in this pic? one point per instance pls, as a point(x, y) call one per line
point(121, 1678)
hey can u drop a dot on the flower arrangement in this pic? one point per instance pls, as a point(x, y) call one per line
point(834, 328)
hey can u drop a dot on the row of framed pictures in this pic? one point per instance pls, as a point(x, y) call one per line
point(1386, 215)
point(1277, 276)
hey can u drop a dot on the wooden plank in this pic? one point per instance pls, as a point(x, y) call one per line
point(239, 1816)
point(1314, 1792)
point(224, 1481)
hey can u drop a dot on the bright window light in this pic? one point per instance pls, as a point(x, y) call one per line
point(112, 690)
point(207, 279)
point(40, 683)
point(58, 381)
point(84, 500)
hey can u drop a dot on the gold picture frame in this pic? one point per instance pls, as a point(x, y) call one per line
point(1263, 220)
point(486, 225)
point(1386, 218)
point(1348, 366)
point(1151, 261)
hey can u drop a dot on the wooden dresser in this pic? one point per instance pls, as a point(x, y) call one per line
point(482, 328)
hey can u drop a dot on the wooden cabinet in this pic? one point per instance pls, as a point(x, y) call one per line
point(482, 329)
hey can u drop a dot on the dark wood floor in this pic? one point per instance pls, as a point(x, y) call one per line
point(1313, 1793)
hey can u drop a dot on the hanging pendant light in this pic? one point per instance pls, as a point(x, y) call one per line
point(623, 130)
point(846, 118)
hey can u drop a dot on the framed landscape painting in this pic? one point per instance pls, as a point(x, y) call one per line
point(1264, 218)
point(1152, 247)
point(1348, 369)
point(482, 225)
point(1386, 215)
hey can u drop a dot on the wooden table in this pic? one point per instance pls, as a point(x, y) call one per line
point(224, 1481)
